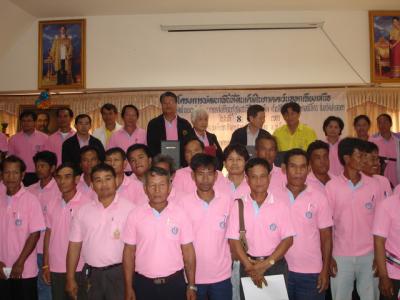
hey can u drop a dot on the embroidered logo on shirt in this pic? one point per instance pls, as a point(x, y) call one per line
point(308, 214)
point(369, 205)
point(174, 230)
point(273, 227)
point(18, 222)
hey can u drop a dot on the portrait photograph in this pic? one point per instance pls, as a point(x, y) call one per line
point(62, 54)
point(385, 46)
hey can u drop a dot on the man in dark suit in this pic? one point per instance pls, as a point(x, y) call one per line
point(71, 147)
point(168, 126)
point(248, 134)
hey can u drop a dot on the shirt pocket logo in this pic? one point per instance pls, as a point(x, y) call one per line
point(369, 205)
point(273, 227)
point(174, 230)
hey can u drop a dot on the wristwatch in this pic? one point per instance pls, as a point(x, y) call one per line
point(192, 287)
point(271, 261)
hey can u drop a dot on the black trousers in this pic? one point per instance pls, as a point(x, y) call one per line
point(29, 179)
point(104, 284)
point(58, 281)
point(18, 289)
point(174, 288)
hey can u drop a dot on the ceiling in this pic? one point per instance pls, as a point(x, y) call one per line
point(72, 8)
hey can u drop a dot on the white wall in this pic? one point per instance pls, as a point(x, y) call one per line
point(131, 51)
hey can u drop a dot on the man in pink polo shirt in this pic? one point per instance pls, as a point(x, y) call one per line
point(26, 143)
point(139, 158)
point(65, 116)
point(95, 234)
point(309, 257)
point(318, 156)
point(21, 222)
point(208, 212)
point(47, 192)
point(89, 159)
point(158, 246)
point(387, 246)
point(267, 148)
point(372, 168)
point(183, 182)
point(269, 229)
point(58, 220)
point(128, 188)
point(353, 197)
point(333, 127)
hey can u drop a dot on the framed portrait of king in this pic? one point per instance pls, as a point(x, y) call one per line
point(384, 28)
point(62, 54)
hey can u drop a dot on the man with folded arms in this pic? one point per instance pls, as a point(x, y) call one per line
point(158, 246)
point(208, 212)
point(21, 221)
point(95, 234)
point(269, 229)
point(58, 219)
point(309, 257)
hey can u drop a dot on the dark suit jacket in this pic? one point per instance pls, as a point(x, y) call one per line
point(156, 133)
point(71, 149)
point(213, 141)
point(239, 136)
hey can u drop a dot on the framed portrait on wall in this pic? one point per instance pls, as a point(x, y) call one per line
point(384, 28)
point(62, 54)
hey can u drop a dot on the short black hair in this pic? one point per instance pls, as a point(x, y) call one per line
point(61, 109)
point(168, 94)
point(46, 156)
point(239, 149)
point(293, 105)
point(370, 147)
point(88, 148)
point(316, 145)
point(68, 164)
point(361, 117)
point(13, 159)
point(333, 119)
point(203, 160)
point(253, 110)
point(102, 167)
point(191, 138)
point(387, 117)
point(347, 146)
point(82, 116)
point(163, 158)
point(28, 113)
point(129, 106)
point(256, 161)
point(294, 152)
point(263, 136)
point(153, 171)
point(109, 106)
point(138, 147)
point(116, 150)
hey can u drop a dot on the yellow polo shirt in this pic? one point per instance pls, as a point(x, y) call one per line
point(301, 138)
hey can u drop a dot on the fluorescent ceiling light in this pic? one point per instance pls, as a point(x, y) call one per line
point(225, 27)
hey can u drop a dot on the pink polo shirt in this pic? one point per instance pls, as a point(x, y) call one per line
point(86, 190)
point(314, 182)
point(3, 142)
point(158, 238)
point(240, 191)
point(353, 210)
point(310, 212)
point(26, 146)
point(20, 216)
point(171, 129)
point(46, 196)
point(55, 141)
point(124, 140)
point(387, 148)
point(384, 185)
point(213, 257)
point(99, 229)
point(58, 219)
point(183, 182)
point(278, 179)
point(387, 225)
point(396, 190)
point(132, 190)
point(266, 226)
point(335, 167)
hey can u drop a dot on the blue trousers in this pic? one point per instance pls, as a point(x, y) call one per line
point(44, 290)
point(215, 291)
point(303, 287)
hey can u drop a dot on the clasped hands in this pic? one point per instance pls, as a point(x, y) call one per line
point(256, 269)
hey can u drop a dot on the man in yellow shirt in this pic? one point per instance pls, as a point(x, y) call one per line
point(293, 134)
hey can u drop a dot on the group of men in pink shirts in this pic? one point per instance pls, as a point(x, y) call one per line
point(166, 234)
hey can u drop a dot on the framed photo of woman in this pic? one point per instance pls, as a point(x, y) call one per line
point(62, 54)
point(384, 28)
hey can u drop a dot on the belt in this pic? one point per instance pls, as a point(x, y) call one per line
point(258, 258)
point(163, 280)
point(104, 268)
